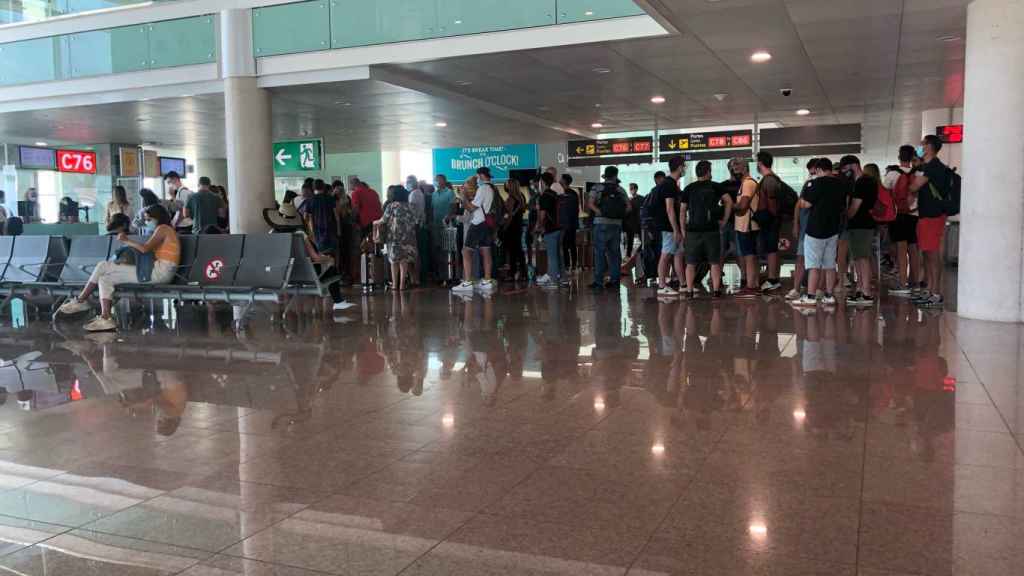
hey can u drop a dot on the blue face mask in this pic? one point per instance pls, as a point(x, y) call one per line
point(920, 151)
point(148, 228)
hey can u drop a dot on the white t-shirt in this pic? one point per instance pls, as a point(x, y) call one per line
point(183, 196)
point(483, 200)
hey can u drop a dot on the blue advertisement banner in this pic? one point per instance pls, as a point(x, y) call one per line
point(458, 164)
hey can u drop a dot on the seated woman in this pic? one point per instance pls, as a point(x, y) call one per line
point(164, 246)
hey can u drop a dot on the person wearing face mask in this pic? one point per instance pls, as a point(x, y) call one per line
point(861, 229)
point(165, 247)
point(747, 229)
point(800, 215)
point(932, 182)
point(148, 199)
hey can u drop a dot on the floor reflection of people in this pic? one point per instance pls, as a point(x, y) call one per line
point(404, 348)
point(704, 373)
point(774, 375)
point(825, 384)
point(613, 353)
point(486, 362)
point(933, 399)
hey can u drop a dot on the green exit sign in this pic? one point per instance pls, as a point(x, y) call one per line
point(298, 156)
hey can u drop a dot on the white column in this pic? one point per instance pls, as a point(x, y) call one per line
point(991, 275)
point(248, 126)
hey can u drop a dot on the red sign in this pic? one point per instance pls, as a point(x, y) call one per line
point(76, 161)
point(214, 268)
point(952, 134)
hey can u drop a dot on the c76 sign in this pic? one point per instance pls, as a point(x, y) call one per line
point(77, 161)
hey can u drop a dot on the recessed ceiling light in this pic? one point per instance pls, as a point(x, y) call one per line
point(602, 70)
point(721, 96)
point(458, 21)
point(441, 124)
point(760, 56)
point(658, 99)
point(588, 13)
point(597, 125)
point(41, 144)
point(803, 112)
point(463, 82)
point(187, 95)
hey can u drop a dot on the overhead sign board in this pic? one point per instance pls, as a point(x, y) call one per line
point(951, 134)
point(700, 141)
point(76, 161)
point(458, 164)
point(37, 158)
point(610, 147)
point(298, 156)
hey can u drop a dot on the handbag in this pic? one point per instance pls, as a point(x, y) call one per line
point(143, 261)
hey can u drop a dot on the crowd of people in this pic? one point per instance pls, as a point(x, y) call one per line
point(686, 234)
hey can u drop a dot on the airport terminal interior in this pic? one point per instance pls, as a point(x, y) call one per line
point(547, 287)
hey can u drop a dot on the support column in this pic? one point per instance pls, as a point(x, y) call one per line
point(248, 126)
point(991, 274)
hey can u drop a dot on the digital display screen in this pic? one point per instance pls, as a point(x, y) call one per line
point(37, 158)
point(697, 141)
point(172, 165)
point(952, 134)
point(604, 147)
point(76, 161)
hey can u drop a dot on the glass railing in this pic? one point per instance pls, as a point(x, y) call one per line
point(13, 11)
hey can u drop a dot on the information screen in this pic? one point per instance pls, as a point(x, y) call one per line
point(697, 141)
point(76, 161)
point(168, 164)
point(952, 134)
point(37, 158)
point(610, 147)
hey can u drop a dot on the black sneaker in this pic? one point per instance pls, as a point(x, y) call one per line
point(717, 295)
point(936, 301)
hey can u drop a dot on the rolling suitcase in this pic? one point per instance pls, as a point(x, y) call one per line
point(450, 247)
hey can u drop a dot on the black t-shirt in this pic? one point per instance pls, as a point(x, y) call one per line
point(865, 189)
point(827, 196)
point(548, 203)
point(929, 198)
point(669, 188)
point(701, 191)
point(732, 188)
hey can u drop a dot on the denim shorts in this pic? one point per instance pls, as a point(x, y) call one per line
point(820, 254)
point(668, 244)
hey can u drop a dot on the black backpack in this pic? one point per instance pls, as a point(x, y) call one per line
point(649, 211)
point(704, 209)
point(952, 200)
point(612, 201)
point(787, 200)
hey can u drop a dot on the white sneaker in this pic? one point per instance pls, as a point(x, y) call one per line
point(770, 286)
point(900, 292)
point(73, 306)
point(343, 305)
point(667, 292)
point(545, 279)
point(464, 288)
point(101, 324)
point(793, 294)
point(828, 300)
point(805, 301)
point(487, 286)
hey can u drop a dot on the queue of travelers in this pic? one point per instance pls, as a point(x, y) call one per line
point(685, 234)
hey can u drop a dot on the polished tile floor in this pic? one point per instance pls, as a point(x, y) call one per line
point(532, 433)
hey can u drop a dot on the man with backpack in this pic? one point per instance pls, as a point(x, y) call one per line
point(860, 228)
point(903, 231)
point(771, 192)
point(704, 207)
point(937, 188)
point(569, 220)
point(747, 226)
point(610, 206)
point(483, 222)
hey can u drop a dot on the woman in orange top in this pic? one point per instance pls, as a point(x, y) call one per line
point(164, 246)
